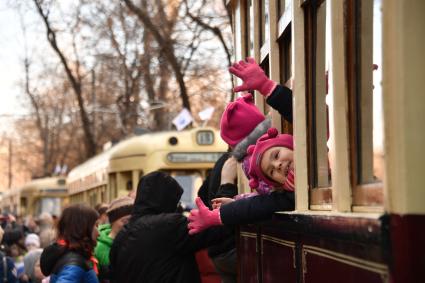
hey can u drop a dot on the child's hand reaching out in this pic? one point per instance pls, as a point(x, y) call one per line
point(253, 77)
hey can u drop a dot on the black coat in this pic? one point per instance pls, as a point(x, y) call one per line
point(211, 189)
point(155, 245)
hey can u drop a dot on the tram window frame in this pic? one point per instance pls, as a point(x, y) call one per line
point(359, 24)
point(320, 193)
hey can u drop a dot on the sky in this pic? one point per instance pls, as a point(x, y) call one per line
point(11, 54)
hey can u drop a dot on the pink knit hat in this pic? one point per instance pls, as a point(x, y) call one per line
point(266, 141)
point(239, 119)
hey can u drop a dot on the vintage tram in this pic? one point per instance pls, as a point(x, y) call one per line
point(185, 155)
point(40, 195)
point(359, 194)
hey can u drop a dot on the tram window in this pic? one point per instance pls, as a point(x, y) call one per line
point(285, 68)
point(285, 56)
point(318, 131)
point(50, 205)
point(265, 66)
point(264, 22)
point(365, 99)
point(249, 29)
point(285, 15)
point(190, 182)
point(281, 6)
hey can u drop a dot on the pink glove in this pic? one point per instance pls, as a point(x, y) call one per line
point(253, 77)
point(203, 218)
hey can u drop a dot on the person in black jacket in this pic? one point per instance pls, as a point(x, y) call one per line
point(155, 245)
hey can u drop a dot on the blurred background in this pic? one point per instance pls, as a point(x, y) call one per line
point(77, 74)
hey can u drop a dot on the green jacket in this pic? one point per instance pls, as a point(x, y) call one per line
point(103, 246)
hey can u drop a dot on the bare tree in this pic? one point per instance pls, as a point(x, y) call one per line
point(165, 42)
point(74, 78)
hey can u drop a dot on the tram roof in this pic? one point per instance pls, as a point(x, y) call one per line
point(10, 192)
point(144, 144)
point(45, 183)
point(94, 164)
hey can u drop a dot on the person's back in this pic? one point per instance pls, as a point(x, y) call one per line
point(70, 258)
point(7, 270)
point(155, 245)
point(157, 254)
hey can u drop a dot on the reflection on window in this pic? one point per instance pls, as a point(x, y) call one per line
point(190, 184)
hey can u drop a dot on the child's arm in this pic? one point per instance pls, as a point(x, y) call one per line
point(244, 211)
point(256, 208)
point(281, 100)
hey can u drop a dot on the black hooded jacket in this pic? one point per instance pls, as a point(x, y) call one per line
point(155, 245)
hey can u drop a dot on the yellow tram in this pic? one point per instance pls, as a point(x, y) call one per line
point(10, 202)
point(185, 155)
point(37, 196)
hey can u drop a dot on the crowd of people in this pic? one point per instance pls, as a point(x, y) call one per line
point(22, 242)
point(146, 238)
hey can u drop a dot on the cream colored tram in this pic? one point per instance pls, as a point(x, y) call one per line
point(10, 202)
point(185, 155)
point(43, 195)
point(37, 196)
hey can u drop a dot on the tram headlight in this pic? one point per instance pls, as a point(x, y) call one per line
point(205, 137)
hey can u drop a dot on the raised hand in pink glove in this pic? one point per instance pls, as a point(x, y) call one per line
point(203, 218)
point(253, 77)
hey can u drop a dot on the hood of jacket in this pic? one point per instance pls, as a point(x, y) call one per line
point(157, 193)
point(103, 237)
point(50, 256)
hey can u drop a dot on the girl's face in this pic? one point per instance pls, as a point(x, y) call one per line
point(276, 163)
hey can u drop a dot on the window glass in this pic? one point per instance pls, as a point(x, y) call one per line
point(190, 182)
point(51, 205)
